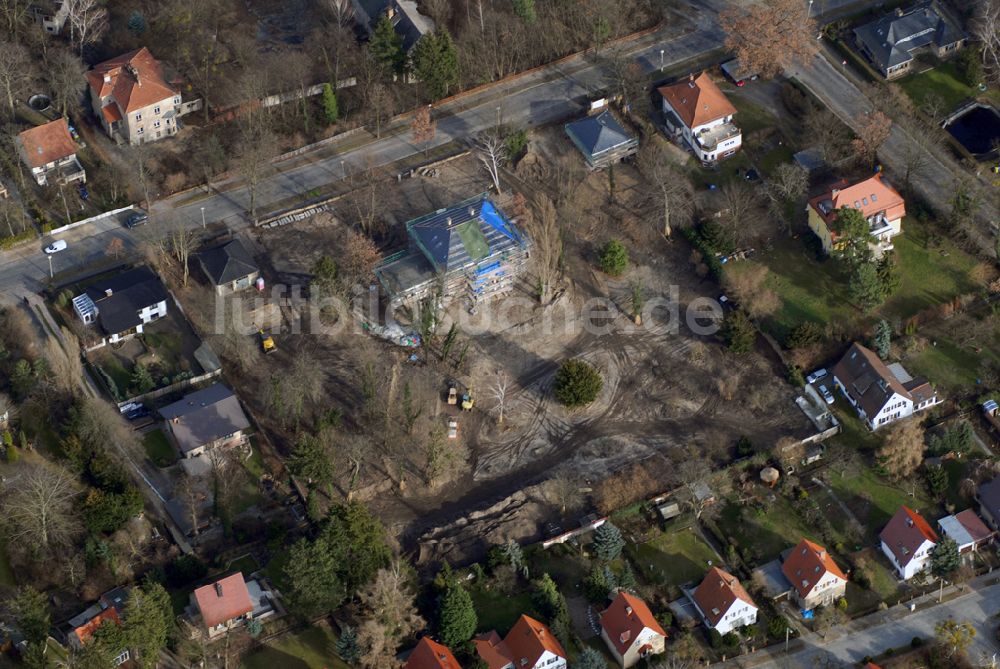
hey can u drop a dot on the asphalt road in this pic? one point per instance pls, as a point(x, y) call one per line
point(865, 638)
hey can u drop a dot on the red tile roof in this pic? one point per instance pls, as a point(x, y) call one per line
point(626, 618)
point(493, 651)
point(429, 654)
point(524, 645)
point(974, 525)
point(807, 564)
point(697, 100)
point(85, 631)
point(718, 592)
point(223, 600)
point(871, 196)
point(47, 143)
point(133, 80)
point(905, 533)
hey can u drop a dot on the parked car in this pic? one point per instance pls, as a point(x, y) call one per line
point(84, 193)
point(136, 219)
point(827, 395)
point(56, 246)
point(137, 413)
point(816, 376)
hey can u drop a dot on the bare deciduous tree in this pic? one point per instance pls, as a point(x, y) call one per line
point(492, 153)
point(189, 492)
point(13, 14)
point(341, 12)
point(986, 28)
point(65, 74)
point(65, 363)
point(548, 246)
point(183, 242)
point(872, 130)
point(741, 200)
point(88, 21)
point(39, 508)
point(566, 492)
point(423, 127)
point(381, 104)
point(16, 69)
point(785, 188)
point(253, 161)
point(903, 449)
point(769, 35)
point(390, 615)
point(499, 391)
point(673, 187)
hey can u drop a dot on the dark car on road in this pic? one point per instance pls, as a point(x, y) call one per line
point(136, 219)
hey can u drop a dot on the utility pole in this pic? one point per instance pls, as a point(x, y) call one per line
point(661, 59)
point(202, 218)
point(50, 267)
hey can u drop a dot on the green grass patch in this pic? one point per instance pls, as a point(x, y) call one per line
point(114, 368)
point(274, 570)
point(672, 558)
point(943, 80)
point(245, 564)
point(750, 116)
point(255, 463)
point(313, 648)
point(770, 161)
point(957, 471)
point(563, 562)
point(874, 500)
point(158, 448)
point(496, 610)
point(765, 533)
point(722, 173)
point(168, 347)
point(950, 368)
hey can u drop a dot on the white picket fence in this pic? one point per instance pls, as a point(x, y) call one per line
point(92, 219)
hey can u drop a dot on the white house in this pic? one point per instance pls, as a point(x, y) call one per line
point(50, 152)
point(695, 110)
point(528, 645)
point(630, 631)
point(907, 541)
point(879, 203)
point(967, 530)
point(122, 304)
point(816, 579)
point(723, 603)
point(880, 393)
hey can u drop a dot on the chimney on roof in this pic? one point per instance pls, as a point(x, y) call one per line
point(628, 610)
point(449, 221)
point(909, 522)
point(691, 77)
point(107, 77)
point(834, 192)
point(218, 588)
point(108, 292)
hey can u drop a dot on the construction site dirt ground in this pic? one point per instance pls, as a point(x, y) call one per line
point(666, 388)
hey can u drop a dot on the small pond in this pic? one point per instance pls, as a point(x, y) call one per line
point(976, 129)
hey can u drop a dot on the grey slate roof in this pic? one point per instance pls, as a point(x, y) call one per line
point(890, 39)
point(227, 263)
point(131, 291)
point(205, 416)
point(409, 23)
point(460, 236)
point(989, 497)
point(599, 134)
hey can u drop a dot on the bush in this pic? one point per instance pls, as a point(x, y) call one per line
point(577, 383)
point(738, 332)
point(795, 101)
point(744, 447)
point(916, 642)
point(803, 335)
point(614, 258)
point(8, 242)
point(516, 143)
point(185, 569)
point(795, 376)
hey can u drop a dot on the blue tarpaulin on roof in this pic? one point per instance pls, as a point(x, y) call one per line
point(491, 216)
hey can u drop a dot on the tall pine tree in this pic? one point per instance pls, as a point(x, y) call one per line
point(387, 46)
point(435, 62)
point(456, 616)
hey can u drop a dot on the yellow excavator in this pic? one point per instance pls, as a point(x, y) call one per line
point(266, 342)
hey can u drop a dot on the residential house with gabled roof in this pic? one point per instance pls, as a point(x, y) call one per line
point(697, 112)
point(229, 267)
point(122, 304)
point(988, 497)
point(816, 579)
point(630, 630)
point(204, 420)
point(528, 645)
point(892, 41)
point(132, 99)
point(49, 151)
point(967, 530)
point(601, 139)
point(108, 609)
point(469, 250)
point(881, 205)
point(229, 602)
point(881, 394)
point(429, 654)
point(723, 603)
point(907, 540)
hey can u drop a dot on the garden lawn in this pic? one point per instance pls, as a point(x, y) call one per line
point(114, 368)
point(875, 500)
point(950, 368)
point(312, 648)
point(930, 273)
point(672, 558)
point(497, 611)
point(245, 564)
point(944, 80)
point(766, 533)
point(168, 347)
point(274, 570)
point(158, 448)
point(563, 562)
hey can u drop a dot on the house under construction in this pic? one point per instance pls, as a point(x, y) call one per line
point(469, 250)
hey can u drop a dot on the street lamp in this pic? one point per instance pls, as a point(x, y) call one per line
point(810, 11)
point(498, 116)
point(661, 59)
point(202, 218)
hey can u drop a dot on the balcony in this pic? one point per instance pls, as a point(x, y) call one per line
point(710, 138)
